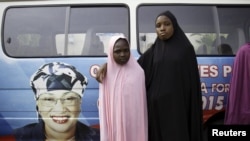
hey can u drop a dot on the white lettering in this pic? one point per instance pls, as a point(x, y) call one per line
point(226, 70)
point(216, 132)
point(93, 70)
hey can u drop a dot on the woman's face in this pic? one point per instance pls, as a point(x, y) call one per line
point(59, 110)
point(121, 52)
point(164, 27)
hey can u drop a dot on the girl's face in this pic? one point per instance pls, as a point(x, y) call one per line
point(164, 27)
point(121, 52)
point(59, 110)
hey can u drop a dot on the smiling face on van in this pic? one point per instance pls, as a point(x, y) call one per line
point(59, 110)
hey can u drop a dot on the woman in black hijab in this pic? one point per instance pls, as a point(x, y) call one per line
point(173, 84)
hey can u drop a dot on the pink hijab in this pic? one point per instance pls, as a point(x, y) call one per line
point(122, 100)
point(238, 106)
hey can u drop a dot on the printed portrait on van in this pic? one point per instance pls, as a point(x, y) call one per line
point(58, 91)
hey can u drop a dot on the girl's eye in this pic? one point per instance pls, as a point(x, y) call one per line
point(117, 51)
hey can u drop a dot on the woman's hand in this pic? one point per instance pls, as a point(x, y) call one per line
point(101, 73)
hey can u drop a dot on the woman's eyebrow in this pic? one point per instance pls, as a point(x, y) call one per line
point(66, 93)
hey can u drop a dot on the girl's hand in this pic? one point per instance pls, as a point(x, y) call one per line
point(101, 73)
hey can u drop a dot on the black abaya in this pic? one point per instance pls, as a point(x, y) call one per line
point(173, 88)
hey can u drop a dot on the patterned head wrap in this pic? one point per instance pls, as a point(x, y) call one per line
point(58, 76)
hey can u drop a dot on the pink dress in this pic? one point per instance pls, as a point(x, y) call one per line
point(122, 101)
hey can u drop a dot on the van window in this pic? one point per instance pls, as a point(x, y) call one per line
point(75, 31)
point(213, 30)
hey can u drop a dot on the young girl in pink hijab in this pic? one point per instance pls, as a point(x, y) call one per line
point(122, 96)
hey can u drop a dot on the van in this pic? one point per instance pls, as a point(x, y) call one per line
point(77, 32)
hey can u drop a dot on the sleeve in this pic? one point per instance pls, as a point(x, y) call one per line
point(146, 62)
point(196, 116)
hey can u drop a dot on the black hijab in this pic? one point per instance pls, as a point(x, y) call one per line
point(173, 88)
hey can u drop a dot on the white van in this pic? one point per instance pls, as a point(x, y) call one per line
point(77, 32)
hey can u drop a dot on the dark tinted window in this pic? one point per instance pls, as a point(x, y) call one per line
point(62, 31)
point(213, 30)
